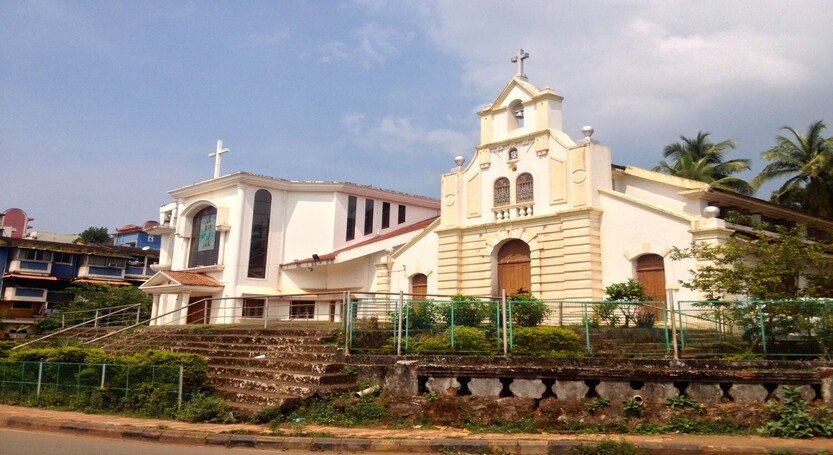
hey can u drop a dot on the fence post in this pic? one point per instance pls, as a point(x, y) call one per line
point(103, 373)
point(265, 313)
point(95, 321)
point(586, 330)
point(138, 313)
point(680, 324)
point(63, 320)
point(399, 323)
point(673, 324)
point(451, 331)
point(408, 318)
point(179, 392)
point(763, 326)
point(205, 312)
point(348, 316)
point(505, 334)
point(40, 378)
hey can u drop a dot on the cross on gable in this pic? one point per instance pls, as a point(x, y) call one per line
point(217, 158)
point(519, 60)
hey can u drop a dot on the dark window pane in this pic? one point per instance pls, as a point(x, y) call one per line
point(351, 218)
point(205, 243)
point(401, 214)
point(385, 215)
point(261, 215)
point(368, 216)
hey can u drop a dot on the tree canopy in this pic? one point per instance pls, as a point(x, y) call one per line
point(94, 235)
point(700, 159)
point(806, 160)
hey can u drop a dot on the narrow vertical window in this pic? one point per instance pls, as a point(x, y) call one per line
point(368, 216)
point(205, 243)
point(261, 214)
point(385, 215)
point(523, 188)
point(501, 196)
point(351, 218)
point(401, 214)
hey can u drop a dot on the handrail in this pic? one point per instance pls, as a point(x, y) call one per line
point(51, 334)
point(147, 321)
point(98, 309)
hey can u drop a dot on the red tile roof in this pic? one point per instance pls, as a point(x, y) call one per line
point(110, 282)
point(192, 279)
point(331, 256)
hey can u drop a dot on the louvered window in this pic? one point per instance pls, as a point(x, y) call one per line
point(525, 192)
point(501, 191)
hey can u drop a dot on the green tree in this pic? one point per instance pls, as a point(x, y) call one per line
point(806, 160)
point(699, 159)
point(94, 235)
point(92, 296)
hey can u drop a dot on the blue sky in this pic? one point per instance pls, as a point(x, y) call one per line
point(105, 106)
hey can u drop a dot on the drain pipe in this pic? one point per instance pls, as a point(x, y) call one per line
point(368, 391)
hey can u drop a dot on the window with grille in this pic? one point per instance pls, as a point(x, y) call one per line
point(523, 188)
point(501, 191)
point(253, 308)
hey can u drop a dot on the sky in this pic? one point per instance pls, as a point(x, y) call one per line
point(106, 106)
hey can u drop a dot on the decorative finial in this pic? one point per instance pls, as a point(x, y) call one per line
point(217, 158)
point(519, 60)
point(459, 160)
point(587, 131)
point(711, 212)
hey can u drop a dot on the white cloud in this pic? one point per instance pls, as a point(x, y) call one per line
point(399, 134)
point(371, 44)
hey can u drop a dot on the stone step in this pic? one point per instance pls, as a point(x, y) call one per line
point(304, 356)
point(252, 400)
point(289, 376)
point(241, 339)
point(236, 330)
point(250, 385)
point(212, 348)
point(315, 367)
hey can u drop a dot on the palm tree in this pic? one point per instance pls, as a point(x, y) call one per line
point(807, 161)
point(699, 159)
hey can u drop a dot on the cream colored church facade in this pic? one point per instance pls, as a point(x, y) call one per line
point(533, 210)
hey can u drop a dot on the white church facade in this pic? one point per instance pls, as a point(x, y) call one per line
point(533, 210)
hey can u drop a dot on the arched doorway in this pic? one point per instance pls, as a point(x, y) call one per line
point(650, 272)
point(419, 286)
point(513, 268)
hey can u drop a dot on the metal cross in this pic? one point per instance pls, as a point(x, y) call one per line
point(519, 59)
point(217, 158)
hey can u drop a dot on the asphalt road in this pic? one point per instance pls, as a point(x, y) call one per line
point(17, 442)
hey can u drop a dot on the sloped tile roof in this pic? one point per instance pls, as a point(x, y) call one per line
point(192, 279)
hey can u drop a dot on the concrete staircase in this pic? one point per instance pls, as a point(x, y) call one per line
point(253, 368)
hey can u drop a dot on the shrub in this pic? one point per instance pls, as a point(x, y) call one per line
point(545, 340)
point(421, 316)
point(67, 354)
point(791, 419)
point(46, 325)
point(527, 311)
point(597, 404)
point(204, 408)
point(606, 312)
point(6, 348)
point(684, 402)
point(468, 311)
point(645, 318)
point(466, 340)
point(632, 408)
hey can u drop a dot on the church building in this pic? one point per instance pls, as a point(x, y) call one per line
point(533, 210)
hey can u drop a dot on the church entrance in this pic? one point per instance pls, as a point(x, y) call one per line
point(513, 268)
point(199, 313)
point(650, 272)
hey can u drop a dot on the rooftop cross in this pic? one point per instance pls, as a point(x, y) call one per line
point(217, 158)
point(519, 59)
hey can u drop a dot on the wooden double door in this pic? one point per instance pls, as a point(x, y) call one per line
point(514, 273)
point(199, 313)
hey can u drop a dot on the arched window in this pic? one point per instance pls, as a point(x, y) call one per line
point(523, 188)
point(205, 243)
point(261, 214)
point(419, 286)
point(516, 114)
point(501, 191)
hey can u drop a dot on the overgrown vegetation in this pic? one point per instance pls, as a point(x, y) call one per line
point(608, 447)
point(466, 340)
point(791, 418)
point(546, 341)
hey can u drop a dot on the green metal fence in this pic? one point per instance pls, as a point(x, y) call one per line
point(93, 385)
point(747, 328)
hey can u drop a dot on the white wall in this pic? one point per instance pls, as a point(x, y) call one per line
point(421, 257)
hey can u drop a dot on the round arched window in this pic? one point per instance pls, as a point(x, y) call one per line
point(501, 195)
point(524, 191)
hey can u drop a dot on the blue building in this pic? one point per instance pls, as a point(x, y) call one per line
point(34, 273)
point(136, 236)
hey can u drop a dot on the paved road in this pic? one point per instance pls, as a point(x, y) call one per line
point(17, 442)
